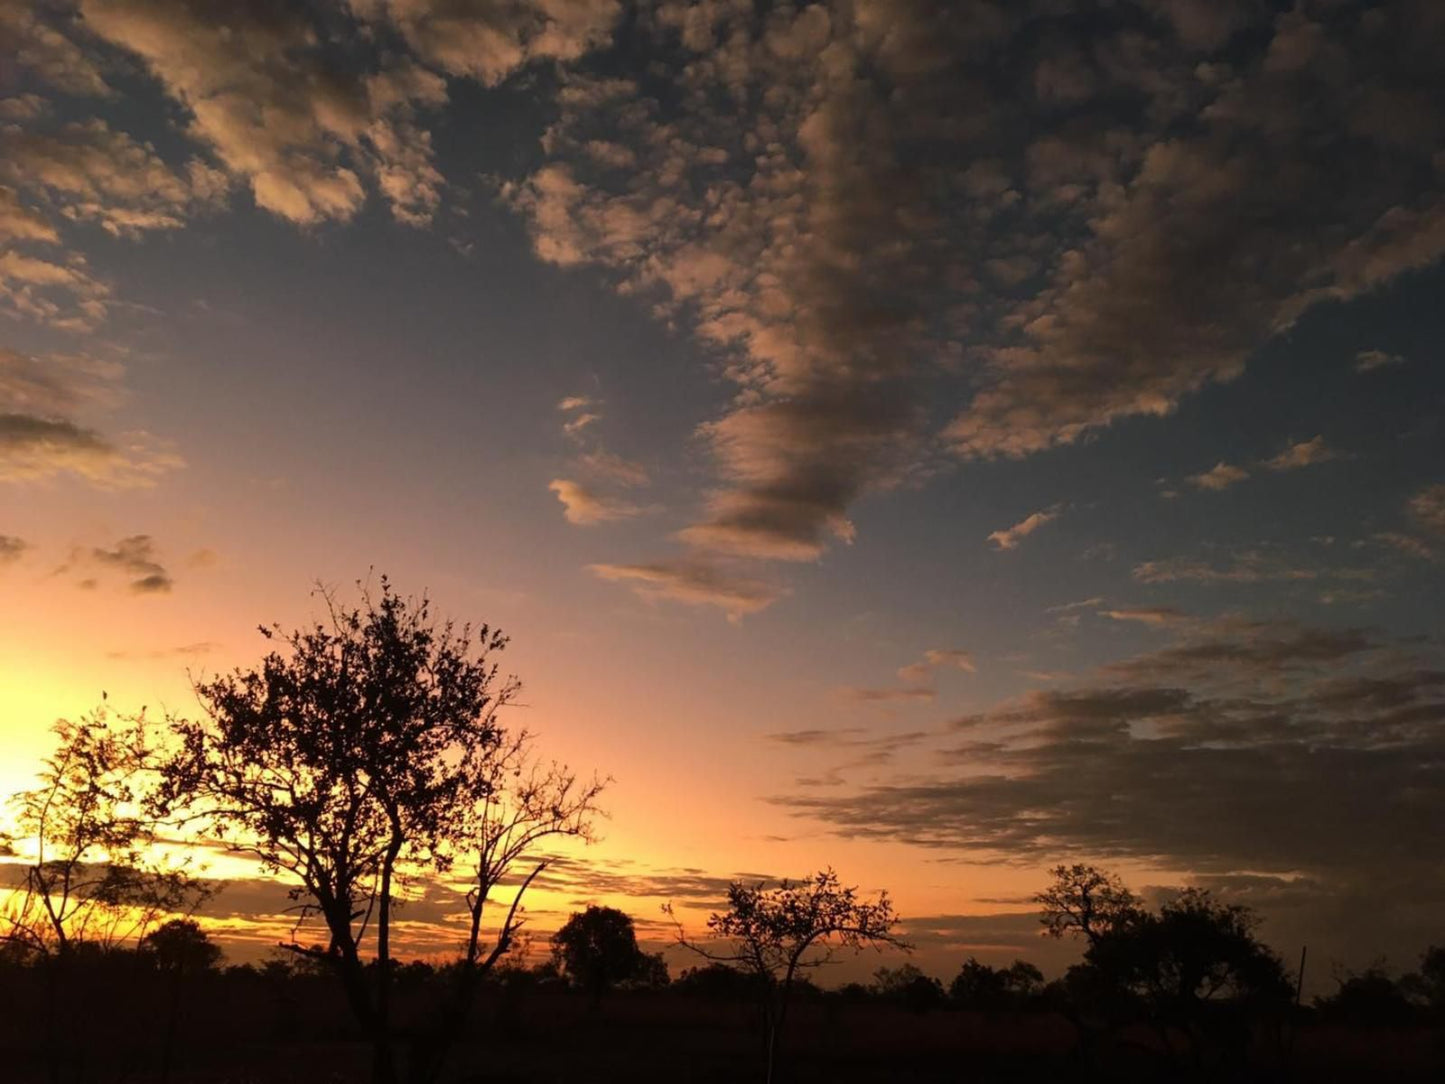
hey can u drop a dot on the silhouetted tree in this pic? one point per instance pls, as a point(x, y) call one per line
point(1085, 901)
point(714, 980)
point(651, 974)
point(83, 839)
point(1370, 997)
point(91, 878)
point(180, 946)
point(1170, 965)
point(365, 751)
point(981, 987)
point(597, 949)
point(908, 986)
point(773, 934)
point(1193, 949)
point(180, 950)
point(1427, 985)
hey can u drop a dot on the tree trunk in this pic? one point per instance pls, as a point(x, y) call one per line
point(384, 1064)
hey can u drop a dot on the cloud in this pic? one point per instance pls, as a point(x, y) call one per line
point(90, 172)
point(1010, 537)
point(57, 289)
point(19, 222)
point(695, 584)
point(182, 651)
point(859, 749)
point(1369, 360)
point(1220, 476)
point(573, 426)
point(888, 696)
point(135, 558)
point(1244, 566)
point(1213, 224)
point(1156, 616)
point(486, 41)
point(758, 250)
point(266, 93)
point(11, 549)
point(34, 448)
point(815, 737)
point(41, 40)
point(40, 397)
point(1304, 454)
point(614, 469)
point(1404, 543)
point(1428, 508)
point(585, 508)
point(938, 658)
point(1268, 748)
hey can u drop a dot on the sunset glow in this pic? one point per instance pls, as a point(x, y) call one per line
point(934, 441)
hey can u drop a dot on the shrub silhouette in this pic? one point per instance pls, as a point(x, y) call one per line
point(597, 949)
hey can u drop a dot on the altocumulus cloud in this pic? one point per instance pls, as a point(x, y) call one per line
point(835, 279)
point(899, 227)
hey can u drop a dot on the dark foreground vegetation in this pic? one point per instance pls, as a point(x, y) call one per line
point(365, 754)
point(131, 1018)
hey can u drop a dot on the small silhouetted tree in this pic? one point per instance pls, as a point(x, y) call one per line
point(90, 875)
point(180, 947)
point(1372, 996)
point(363, 753)
point(987, 989)
point(84, 841)
point(597, 949)
point(908, 986)
point(652, 973)
point(1085, 901)
point(1427, 985)
point(775, 934)
point(180, 950)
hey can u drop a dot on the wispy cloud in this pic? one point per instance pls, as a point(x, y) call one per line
point(694, 583)
point(1428, 508)
point(936, 658)
point(1369, 360)
point(912, 694)
point(1220, 476)
point(585, 508)
point(1304, 454)
point(1009, 538)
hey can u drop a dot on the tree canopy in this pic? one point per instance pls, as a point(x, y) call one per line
point(363, 753)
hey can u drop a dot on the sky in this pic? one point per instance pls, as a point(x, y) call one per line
point(933, 440)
